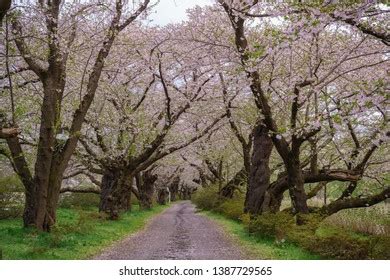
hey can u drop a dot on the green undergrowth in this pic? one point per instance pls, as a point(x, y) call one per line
point(276, 236)
point(327, 240)
point(260, 247)
point(78, 234)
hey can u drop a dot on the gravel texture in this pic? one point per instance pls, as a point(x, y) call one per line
point(178, 233)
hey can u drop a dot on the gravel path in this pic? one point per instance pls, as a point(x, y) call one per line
point(177, 233)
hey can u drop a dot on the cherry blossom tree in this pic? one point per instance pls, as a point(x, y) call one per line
point(145, 107)
point(48, 62)
point(300, 85)
point(274, 99)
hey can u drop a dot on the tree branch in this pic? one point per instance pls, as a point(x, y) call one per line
point(356, 202)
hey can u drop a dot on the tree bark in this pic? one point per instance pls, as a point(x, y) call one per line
point(174, 188)
point(115, 195)
point(259, 176)
point(145, 185)
point(354, 202)
point(229, 189)
point(47, 178)
point(162, 196)
point(5, 5)
point(296, 188)
point(21, 167)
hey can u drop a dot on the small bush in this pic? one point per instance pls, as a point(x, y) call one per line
point(79, 200)
point(339, 246)
point(330, 242)
point(232, 208)
point(11, 197)
point(207, 198)
point(269, 225)
point(246, 220)
point(336, 244)
point(380, 248)
point(134, 200)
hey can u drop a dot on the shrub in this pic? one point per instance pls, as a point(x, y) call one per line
point(246, 219)
point(339, 246)
point(336, 244)
point(134, 200)
point(270, 225)
point(329, 242)
point(79, 200)
point(380, 248)
point(11, 197)
point(316, 235)
point(207, 198)
point(232, 208)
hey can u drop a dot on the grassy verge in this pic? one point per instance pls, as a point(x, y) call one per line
point(260, 248)
point(349, 234)
point(79, 234)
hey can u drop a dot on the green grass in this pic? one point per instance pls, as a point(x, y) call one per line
point(260, 248)
point(79, 234)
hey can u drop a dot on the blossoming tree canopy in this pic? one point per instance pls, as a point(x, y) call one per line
point(266, 97)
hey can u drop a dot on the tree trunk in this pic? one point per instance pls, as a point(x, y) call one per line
point(21, 168)
point(297, 191)
point(185, 193)
point(272, 201)
point(174, 188)
point(48, 174)
point(162, 196)
point(259, 175)
point(52, 198)
point(29, 210)
point(274, 194)
point(115, 193)
point(145, 185)
point(5, 5)
point(229, 189)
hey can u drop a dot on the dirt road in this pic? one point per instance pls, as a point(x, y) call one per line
point(177, 233)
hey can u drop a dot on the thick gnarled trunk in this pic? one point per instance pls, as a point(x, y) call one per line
point(115, 195)
point(145, 185)
point(259, 176)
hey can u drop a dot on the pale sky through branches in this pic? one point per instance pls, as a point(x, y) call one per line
point(174, 11)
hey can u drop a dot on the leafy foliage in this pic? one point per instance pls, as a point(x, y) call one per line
point(11, 197)
point(232, 208)
point(79, 200)
point(207, 198)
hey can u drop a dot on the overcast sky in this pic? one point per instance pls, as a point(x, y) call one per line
point(172, 11)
